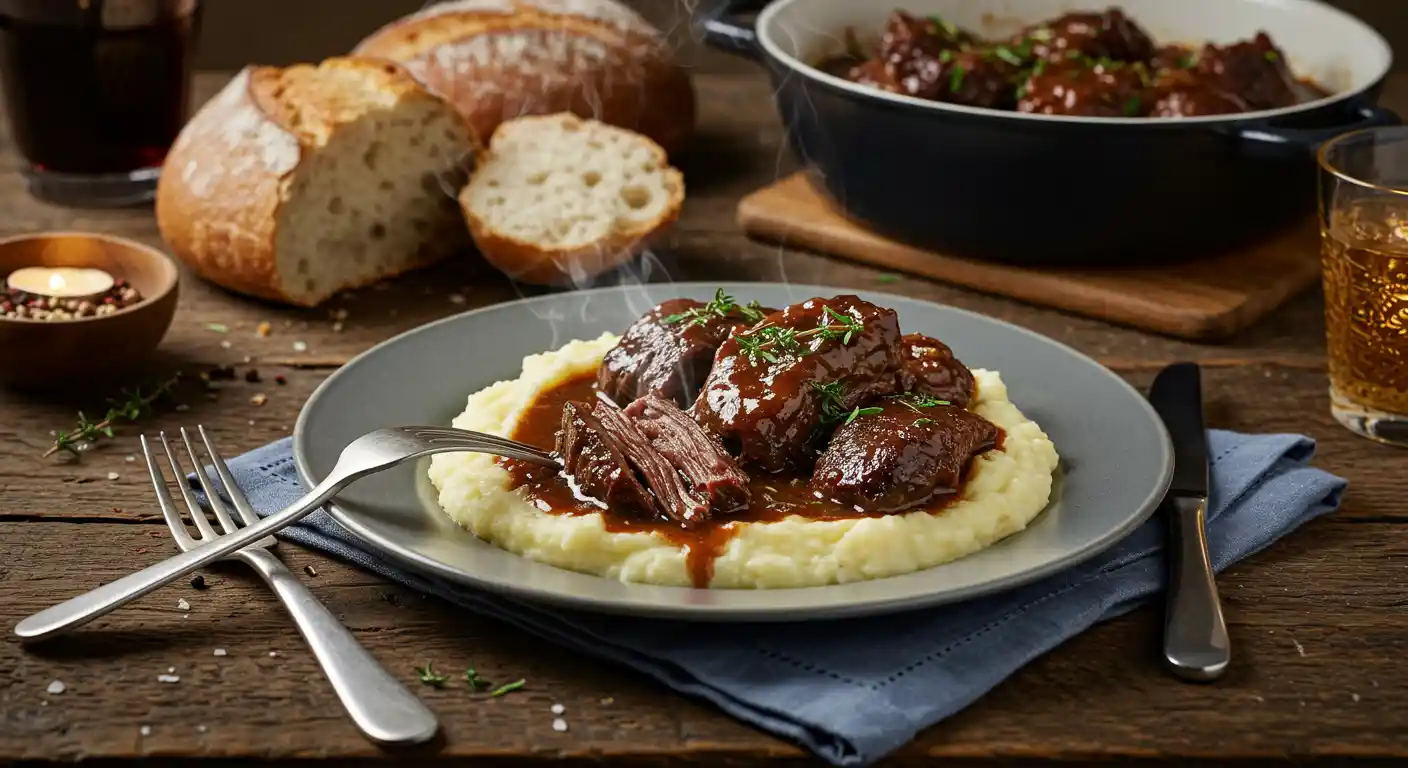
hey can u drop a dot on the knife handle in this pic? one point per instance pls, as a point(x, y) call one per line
point(1196, 646)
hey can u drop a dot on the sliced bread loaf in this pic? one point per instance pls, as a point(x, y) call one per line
point(295, 183)
point(561, 199)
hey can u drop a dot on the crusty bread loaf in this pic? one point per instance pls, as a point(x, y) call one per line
point(295, 183)
point(561, 199)
point(501, 59)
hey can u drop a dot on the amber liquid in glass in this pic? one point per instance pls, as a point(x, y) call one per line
point(1365, 254)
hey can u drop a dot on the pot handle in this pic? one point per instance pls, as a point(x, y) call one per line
point(725, 31)
point(1310, 139)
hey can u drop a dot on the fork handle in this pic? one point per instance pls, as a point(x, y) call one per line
point(378, 703)
point(98, 602)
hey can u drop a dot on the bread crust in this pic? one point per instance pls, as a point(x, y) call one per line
point(528, 262)
point(500, 59)
point(230, 170)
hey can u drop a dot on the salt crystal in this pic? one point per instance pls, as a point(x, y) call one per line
point(559, 725)
point(183, 605)
point(226, 344)
point(607, 701)
point(182, 408)
point(300, 346)
point(56, 687)
point(130, 459)
point(145, 730)
point(168, 678)
point(113, 475)
point(337, 327)
point(1354, 696)
point(169, 670)
point(201, 729)
point(557, 709)
point(219, 651)
point(273, 654)
point(455, 298)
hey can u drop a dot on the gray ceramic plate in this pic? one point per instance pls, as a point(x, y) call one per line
point(1116, 460)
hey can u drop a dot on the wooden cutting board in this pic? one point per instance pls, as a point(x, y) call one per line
point(1205, 299)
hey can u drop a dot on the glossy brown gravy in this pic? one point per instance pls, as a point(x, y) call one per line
point(774, 496)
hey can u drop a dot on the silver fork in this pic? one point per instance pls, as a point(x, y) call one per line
point(380, 705)
point(370, 453)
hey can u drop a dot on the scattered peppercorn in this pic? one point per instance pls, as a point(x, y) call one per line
point(198, 582)
point(252, 376)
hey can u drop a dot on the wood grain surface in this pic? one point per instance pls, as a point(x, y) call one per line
point(1318, 622)
point(1208, 297)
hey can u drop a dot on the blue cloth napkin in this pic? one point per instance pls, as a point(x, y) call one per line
point(870, 687)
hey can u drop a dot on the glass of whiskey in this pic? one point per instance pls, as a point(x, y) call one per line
point(1364, 254)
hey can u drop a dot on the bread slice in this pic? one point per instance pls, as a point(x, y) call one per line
point(295, 183)
point(562, 199)
point(501, 59)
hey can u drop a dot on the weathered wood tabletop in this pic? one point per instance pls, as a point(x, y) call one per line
point(1318, 622)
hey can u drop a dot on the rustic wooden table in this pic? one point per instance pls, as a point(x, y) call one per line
point(1318, 622)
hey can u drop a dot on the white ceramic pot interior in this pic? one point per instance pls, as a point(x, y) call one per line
point(1337, 50)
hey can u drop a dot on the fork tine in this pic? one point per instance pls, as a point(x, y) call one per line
point(163, 500)
point(211, 496)
point(246, 512)
point(197, 514)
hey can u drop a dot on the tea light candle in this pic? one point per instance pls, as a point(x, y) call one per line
point(61, 282)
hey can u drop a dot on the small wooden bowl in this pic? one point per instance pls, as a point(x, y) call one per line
point(64, 352)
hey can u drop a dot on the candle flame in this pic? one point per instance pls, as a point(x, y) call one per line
point(57, 282)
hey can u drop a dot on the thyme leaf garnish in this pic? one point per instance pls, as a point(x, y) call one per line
point(429, 676)
point(833, 411)
point(508, 688)
point(767, 342)
point(914, 401)
point(720, 306)
point(131, 406)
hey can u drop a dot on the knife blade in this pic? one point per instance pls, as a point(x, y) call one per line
point(1196, 646)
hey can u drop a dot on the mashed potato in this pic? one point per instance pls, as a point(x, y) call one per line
point(1004, 491)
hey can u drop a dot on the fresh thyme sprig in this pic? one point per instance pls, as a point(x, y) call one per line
point(832, 395)
point(475, 681)
point(133, 405)
point(720, 306)
point(914, 401)
point(508, 688)
point(766, 342)
point(429, 676)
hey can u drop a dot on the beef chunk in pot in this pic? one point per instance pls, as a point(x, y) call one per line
point(776, 388)
point(601, 449)
point(1183, 93)
point(699, 456)
point(1253, 70)
point(1107, 35)
point(903, 456)
point(1105, 89)
point(929, 368)
point(908, 38)
point(670, 348)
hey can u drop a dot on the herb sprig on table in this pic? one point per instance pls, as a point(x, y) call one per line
point(720, 306)
point(767, 342)
point(429, 676)
point(131, 406)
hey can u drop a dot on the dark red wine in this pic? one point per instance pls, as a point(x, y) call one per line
point(96, 86)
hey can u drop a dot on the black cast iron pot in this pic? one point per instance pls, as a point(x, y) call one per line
point(1040, 189)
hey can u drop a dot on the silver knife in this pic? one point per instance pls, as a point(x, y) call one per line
point(1195, 634)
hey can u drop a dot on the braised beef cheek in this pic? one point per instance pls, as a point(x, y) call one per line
point(600, 422)
point(699, 456)
point(668, 350)
point(775, 389)
point(928, 367)
point(902, 456)
point(1182, 93)
point(1253, 70)
point(1107, 35)
point(1110, 89)
point(594, 459)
